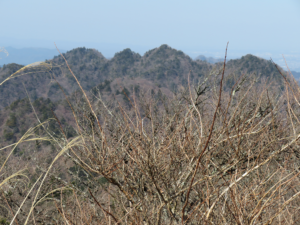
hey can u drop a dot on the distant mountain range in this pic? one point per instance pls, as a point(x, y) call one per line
point(208, 59)
point(26, 56)
point(296, 75)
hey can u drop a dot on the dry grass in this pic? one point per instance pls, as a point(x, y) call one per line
point(207, 156)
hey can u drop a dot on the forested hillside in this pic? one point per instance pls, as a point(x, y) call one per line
point(153, 139)
point(163, 66)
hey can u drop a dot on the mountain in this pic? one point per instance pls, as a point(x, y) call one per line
point(296, 75)
point(253, 64)
point(165, 66)
point(209, 59)
point(162, 71)
point(162, 67)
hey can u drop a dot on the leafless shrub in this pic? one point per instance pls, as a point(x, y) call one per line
point(207, 156)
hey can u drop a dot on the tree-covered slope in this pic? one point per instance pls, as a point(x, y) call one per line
point(164, 66)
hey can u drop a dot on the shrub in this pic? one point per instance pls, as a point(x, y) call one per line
point(210, 155)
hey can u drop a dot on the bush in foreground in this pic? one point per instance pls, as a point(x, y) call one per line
point(208, 156)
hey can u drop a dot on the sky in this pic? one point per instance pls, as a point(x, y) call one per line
point(266, 28)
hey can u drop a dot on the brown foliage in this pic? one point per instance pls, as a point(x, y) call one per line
point(207, 156)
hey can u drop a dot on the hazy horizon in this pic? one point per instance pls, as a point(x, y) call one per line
point(262, 28)
point(18, 55)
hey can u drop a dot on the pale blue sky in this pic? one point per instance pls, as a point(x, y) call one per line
point(193, 26)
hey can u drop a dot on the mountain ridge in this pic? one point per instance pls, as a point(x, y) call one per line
point(165, 66)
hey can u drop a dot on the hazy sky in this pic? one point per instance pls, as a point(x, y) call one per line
point(194, 26)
